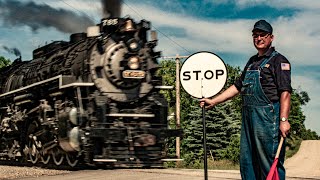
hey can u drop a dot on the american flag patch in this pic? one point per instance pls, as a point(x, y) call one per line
point(285, 66)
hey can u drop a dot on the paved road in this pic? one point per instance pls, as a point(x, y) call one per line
point(140, 174)
point(155, 174)
point(304, 165)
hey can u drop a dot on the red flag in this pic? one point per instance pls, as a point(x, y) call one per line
point(273, 173)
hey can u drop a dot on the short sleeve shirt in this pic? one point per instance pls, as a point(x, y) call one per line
point(275, 75)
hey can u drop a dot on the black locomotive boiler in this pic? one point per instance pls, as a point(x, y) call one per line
point(92, 100)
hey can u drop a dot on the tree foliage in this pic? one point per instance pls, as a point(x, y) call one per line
point(222, 122)
point(297, 117)
point(4, 62)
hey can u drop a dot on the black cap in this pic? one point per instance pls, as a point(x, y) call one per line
point(262, 25)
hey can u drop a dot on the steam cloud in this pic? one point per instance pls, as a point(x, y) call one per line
point(15, 13)
point(111, 8)
point(14, 51)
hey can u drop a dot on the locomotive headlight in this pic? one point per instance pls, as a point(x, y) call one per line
point(133, 63)
point(133, 45)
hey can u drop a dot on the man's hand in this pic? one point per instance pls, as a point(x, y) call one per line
point(227, 94)
point(284, 128)
point(207, 103)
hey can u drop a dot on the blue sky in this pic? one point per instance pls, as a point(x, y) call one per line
point(188, 26)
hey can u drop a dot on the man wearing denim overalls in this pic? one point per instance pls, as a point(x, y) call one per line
point(265, 88)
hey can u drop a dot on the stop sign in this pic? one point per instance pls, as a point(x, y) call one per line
point(203, 74)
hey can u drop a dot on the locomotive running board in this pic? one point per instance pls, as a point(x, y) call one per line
point(104, 160)
point(170, 160)
point(63, 82)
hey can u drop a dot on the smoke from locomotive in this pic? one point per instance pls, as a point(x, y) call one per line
point(111, 8)
point(94, 99)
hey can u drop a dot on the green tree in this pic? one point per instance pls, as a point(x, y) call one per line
point(4, 62)
point(232, 152)
point(297, 118)
point(223, 122)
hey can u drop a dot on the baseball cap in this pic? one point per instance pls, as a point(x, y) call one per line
point(263, 25)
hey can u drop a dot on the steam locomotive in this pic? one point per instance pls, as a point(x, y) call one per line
point(92, 100)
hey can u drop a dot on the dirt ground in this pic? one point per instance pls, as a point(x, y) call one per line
point(306, 163)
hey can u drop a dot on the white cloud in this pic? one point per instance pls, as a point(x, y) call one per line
point(249, 3)
point(296, 37)
point(296, 4)
point(298, 32)
point(228, 36)
point(299, 37)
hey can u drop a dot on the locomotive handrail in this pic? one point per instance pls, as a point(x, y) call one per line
point(163, 87)
point(130, 115)
point(32, 85)
point(61, 85)
point(76, 85)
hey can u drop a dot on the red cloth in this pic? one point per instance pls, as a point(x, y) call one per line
point(273, 173)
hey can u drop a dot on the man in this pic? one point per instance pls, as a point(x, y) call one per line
point(265, 87)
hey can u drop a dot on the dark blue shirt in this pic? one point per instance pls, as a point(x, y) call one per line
point(275, 76)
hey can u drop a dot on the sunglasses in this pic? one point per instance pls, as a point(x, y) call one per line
point(262, 35)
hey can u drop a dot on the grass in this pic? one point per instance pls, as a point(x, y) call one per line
point(222, 165)
point(293, 145)
point(214, 165)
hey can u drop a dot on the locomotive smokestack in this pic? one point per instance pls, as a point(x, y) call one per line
point(111, 8)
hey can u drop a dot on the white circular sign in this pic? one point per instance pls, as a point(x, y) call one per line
point(203, 75)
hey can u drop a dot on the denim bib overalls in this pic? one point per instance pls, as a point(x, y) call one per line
point(260, 128)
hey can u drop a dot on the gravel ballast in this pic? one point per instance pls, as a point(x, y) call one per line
point(14, 172)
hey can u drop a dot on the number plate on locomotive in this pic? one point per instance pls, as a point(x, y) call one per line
point(136, 74)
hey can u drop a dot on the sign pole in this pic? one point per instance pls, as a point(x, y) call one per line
point(205, 144)
point(204, 136)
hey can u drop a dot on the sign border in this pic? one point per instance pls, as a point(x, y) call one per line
point(209, 53)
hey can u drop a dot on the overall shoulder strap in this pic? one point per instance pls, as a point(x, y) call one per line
point(266, 60)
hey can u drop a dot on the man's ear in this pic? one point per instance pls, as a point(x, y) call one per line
point(272, 37)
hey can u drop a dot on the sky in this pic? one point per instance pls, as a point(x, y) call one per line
point(184, 27)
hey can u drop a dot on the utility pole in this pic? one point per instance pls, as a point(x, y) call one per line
point(177, 113)
point(178, 104)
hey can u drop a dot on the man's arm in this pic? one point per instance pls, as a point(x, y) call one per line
point(227, 94)
point(284, 112)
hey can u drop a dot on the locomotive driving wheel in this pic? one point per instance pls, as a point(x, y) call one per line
point(57, 156)
point(45, 158)
point(33, 152)
point(72, 159)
